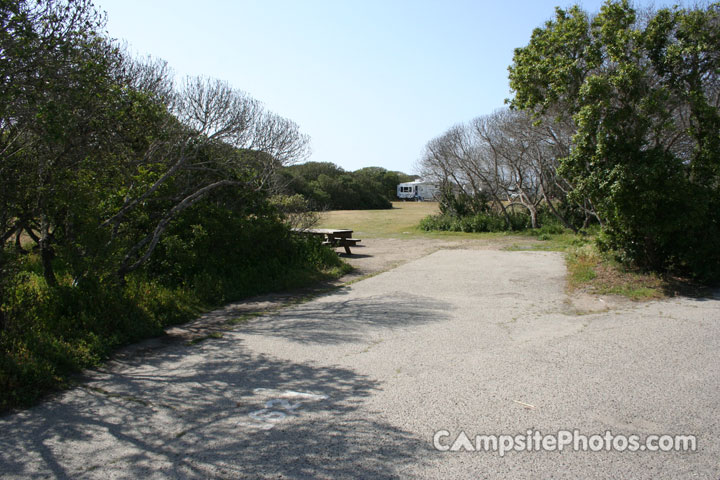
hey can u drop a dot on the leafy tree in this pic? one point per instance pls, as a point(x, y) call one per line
point(383, 180)
point(99, 153)
point(144, 199)
point(643, 94)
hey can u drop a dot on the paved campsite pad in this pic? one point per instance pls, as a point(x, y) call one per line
point(354, 383)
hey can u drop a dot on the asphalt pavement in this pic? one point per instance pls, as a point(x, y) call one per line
point(407, 374)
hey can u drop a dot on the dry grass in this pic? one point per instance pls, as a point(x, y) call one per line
point(594, 273)
point(401, 220)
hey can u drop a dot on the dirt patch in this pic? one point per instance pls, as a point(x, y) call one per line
point(582, 303)
point(375, 255)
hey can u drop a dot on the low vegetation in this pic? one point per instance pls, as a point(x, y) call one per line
point(490, 221)
point(591, 271)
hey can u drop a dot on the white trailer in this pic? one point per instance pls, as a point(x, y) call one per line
point(418, 190)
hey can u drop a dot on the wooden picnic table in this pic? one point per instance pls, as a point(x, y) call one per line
point(335, 237)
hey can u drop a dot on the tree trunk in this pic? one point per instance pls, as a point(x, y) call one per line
point(558, 215)
point(47, 254)
point(503, 210)
point(533, 217)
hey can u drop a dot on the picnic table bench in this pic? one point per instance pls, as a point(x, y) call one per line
point(333, 237)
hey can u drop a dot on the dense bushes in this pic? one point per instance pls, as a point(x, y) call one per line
point(134, 202)
point(480, 222)
point(640, 91)
point(51, 332)
point(327, 186)
point(225, 256)
point(210, 256)
point(489, 222)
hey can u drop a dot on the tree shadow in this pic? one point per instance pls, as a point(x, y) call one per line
point(203, 415)
point(355, 255)
point(673, 286)
point(338, 321)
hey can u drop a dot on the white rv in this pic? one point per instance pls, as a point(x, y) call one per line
point(418, 190)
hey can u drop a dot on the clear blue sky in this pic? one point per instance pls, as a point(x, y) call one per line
point(370, 81)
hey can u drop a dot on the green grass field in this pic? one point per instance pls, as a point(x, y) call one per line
point(402, 219)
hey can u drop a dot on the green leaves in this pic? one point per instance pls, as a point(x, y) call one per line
point(552, 67)
point(643, 98)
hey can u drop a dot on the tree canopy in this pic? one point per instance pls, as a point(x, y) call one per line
point(100, 152)
point(642, 92)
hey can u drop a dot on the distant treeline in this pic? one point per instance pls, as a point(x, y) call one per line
point(328, 187)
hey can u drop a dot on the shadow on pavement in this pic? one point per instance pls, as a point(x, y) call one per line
point(329, 322)
point(194, 414)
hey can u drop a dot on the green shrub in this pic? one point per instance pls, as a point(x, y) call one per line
point(492, 221)
point(244, 255)
point(210, 256)
point(481, 222)
point(50, 333)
